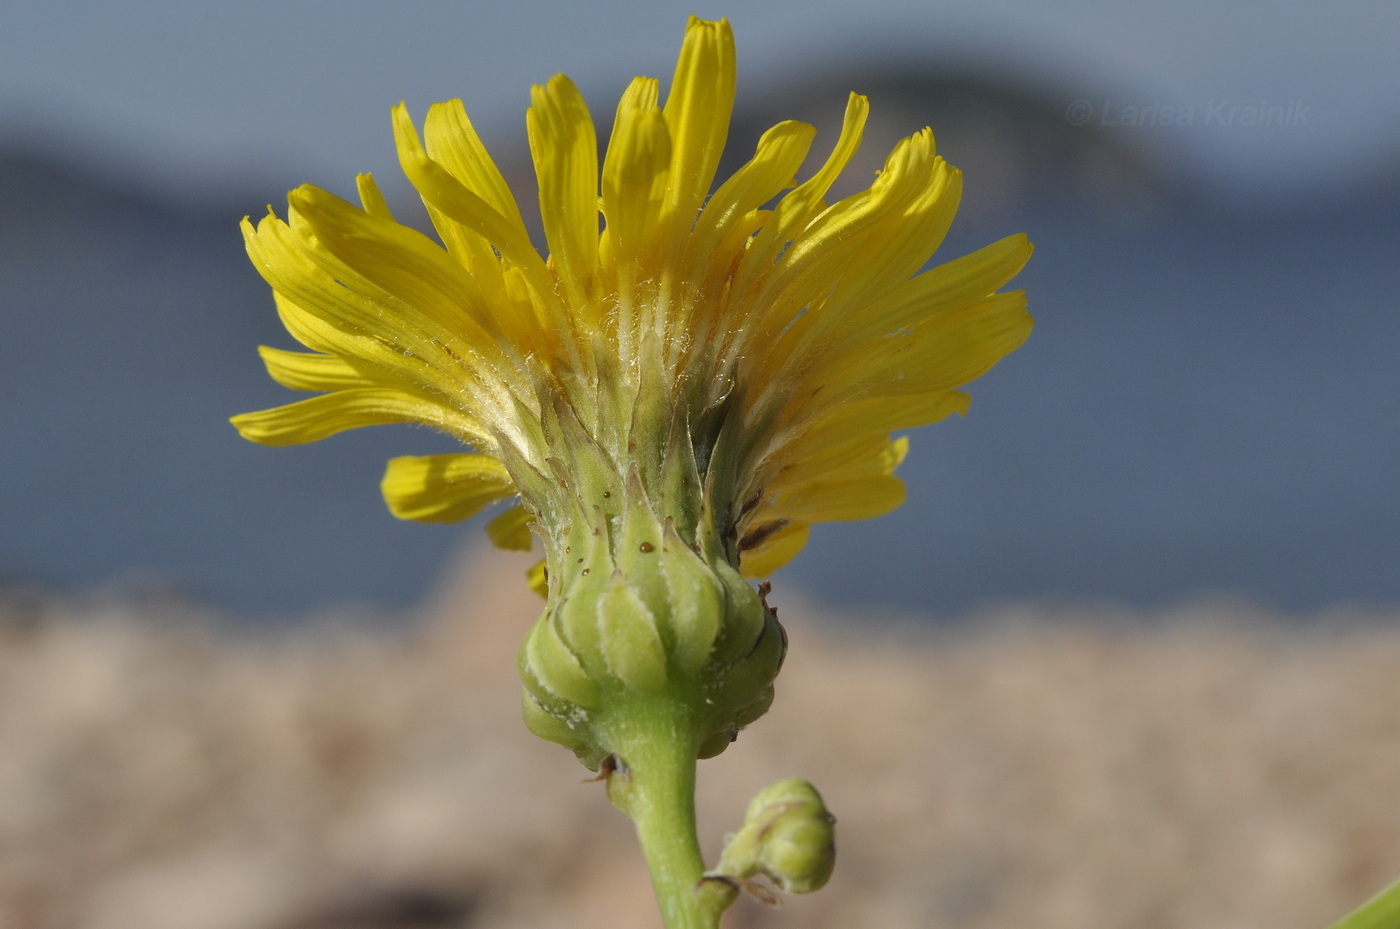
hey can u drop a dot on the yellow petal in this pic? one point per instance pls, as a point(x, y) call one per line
point(635, 174)
point(565, 150)
point(832, 457)
point(318, 417)
point(812, 256)
point(776, 551)
point(945, 351)
point(441, 297)
point(444, 488)
point(371, 198)
point(829, 250)
point(956, 282)
point(315, 333)
point(537, 577)
point(864, 498)
point(854, 481)
point(450, 140)
point(511, 530)
point(477, 218)
point(445, 192)
point(798, 208)
point(874, 260)
point(897, 247)
point(698, 107)
point(877, 417)
point(301, 371)
point(779, 154)
point(374, 360)
point(806, 201)
point(857, 458)
point(301, 278)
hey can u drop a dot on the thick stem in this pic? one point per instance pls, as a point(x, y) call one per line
point(654, 784)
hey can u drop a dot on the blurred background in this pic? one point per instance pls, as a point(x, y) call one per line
point(1208, 404)
point(1127, 656)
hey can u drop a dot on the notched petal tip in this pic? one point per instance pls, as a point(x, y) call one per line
point(372, 198)
point(696, 26)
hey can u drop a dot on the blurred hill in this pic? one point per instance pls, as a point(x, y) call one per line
point(1019, 154)
point(1057, 769)
point(1208, 403)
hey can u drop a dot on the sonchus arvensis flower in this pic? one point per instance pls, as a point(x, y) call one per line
point(675, 395)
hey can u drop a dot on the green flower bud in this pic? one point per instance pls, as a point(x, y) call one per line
point(788, 836)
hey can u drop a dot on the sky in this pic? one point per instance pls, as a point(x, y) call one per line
point(195, 96)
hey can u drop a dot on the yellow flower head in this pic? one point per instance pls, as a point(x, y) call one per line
point(736, 359)
point(675, 397)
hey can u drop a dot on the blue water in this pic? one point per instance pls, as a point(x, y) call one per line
point(1208, 404)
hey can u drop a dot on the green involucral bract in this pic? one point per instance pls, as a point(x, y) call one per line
point(645, 599)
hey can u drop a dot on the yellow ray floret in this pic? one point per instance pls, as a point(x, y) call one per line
point(444, 488)
point(751, 331)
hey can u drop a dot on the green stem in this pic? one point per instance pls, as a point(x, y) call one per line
point(654, 785)
point(1380, 912)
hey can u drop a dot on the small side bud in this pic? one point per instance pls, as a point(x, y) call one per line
point(788, 836)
